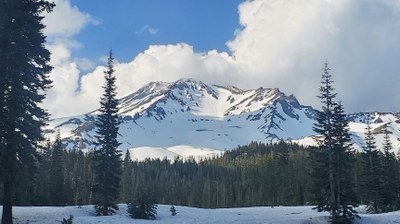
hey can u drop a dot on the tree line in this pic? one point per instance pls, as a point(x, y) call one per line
point(258, 174)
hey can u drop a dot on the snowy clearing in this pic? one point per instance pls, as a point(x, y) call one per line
point(251, 215)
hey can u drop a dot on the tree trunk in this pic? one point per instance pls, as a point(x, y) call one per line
point(332, 197)
point(7, 201)
point(7, 214)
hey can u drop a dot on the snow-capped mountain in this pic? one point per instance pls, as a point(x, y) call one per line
point(191, 118)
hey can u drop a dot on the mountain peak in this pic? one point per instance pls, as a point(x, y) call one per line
point(196, 116)
point(190, 112)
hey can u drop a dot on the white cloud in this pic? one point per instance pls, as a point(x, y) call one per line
point(147, 29)
point(66, 20)
point(282, 43)
point(61, 25)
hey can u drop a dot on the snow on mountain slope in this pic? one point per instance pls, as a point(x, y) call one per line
point(358, 125)
point(141, 153)
point(189, 118)
point(181, 151)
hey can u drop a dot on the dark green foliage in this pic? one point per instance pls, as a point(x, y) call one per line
point(107, 162)
point(332, 164)
point(77, 179)
point(126, 179)
point(143, 206)
point(371, 173)
point(256, 174)
point(57, 173)
point(322, 160)
point(173, 211)
point(68, 221)
point(344, 158)
point(42, 182)
point(389, 176)
point(24, 72)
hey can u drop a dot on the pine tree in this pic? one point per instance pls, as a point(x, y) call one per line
point(68, 221)
point(345, 196)
point(107, 160)
point(389, 175)
point(143, 206)
point(322, 159)
point(57, 173)
point(173, 211)
point(332, 163)
point(24, 77)
point(79, 179)
point(127, 181)
point(43, 179)
point(371, 168)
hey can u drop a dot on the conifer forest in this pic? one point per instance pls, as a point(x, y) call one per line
point(251, 175)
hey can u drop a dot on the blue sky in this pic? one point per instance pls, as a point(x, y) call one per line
point(130, 26)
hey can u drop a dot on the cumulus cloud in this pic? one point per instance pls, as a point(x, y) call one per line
point(281, 43)
point(160, 63)
point(285, 42)
point(65, 20)
point(62, 24)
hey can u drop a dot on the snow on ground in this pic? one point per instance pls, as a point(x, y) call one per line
point(251, 215)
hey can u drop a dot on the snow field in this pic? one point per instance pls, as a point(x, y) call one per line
point(250, 215)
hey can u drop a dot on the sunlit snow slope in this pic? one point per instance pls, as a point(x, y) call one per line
point(191, 118)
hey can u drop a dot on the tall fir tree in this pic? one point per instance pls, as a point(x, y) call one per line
point(107, 159)
point(126, 179)
point(333, 187)
point(43, 180)
point(322, 159)
point(24, 77)
point(344, 160)
point(144, 205)
point(389, 175)
point(57, 173)
point(370, 174)
point(79, 179)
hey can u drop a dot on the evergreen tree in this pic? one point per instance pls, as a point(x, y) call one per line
point(43, 180)
point(107, 160)
point(79, 179)
point(322, 159)
point(173, 211)
point(143, 206)
point(126, 179)
point(344, 160)
point(24, 77)
point(57, 171)
point(333, 187)
point(68, 221)
point(371, 169)
point(389, 175)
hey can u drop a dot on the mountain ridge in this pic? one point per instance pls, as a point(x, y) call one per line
point(211, 119)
